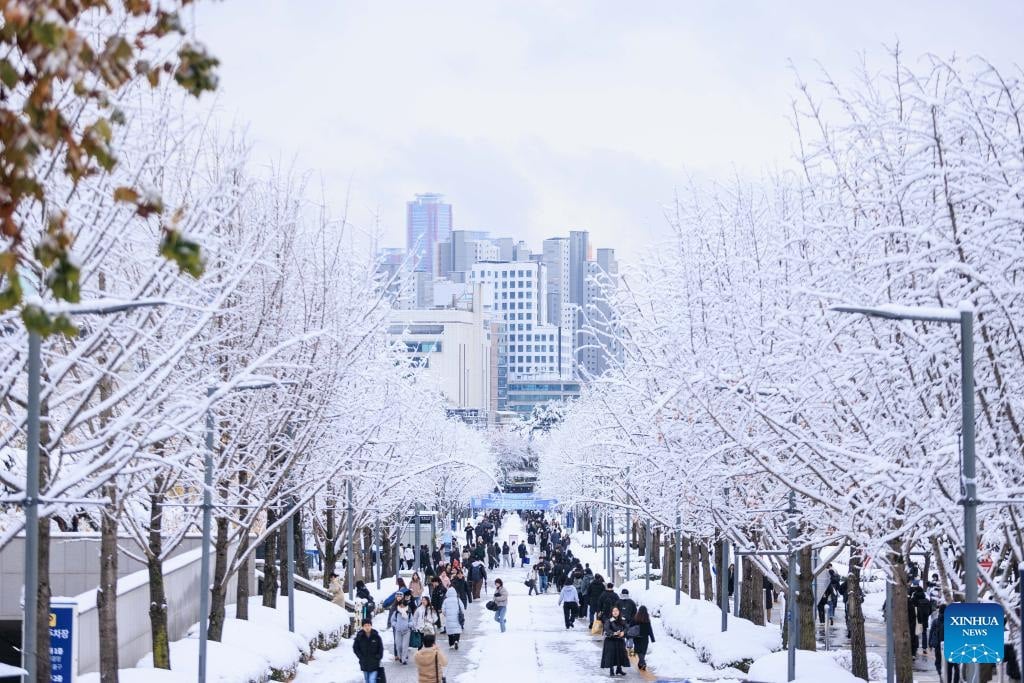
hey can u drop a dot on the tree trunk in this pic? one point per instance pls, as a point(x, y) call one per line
point(282, 554)
point(300, 546)
point(900, 617)
point(705, 564)
point(270, 562)
point(805, 601)
point(218, 593)
point(656, 549)
point(160, 638)
point(368, 554)
point(940, 568)
point(43, 674)
point(242, 588)
point(106, 593)
point(722, 585)
point(330, 532)
point(387, 560)
point(685, 569)
point(668, 573)
point(854, 606)
point(752, 607)
point(694, 569)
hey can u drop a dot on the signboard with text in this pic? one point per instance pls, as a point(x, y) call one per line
point(973, 633)
point(63, 655)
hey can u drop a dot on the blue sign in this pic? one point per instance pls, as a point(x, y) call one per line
point(512, 501)
point(973, 633)
point(62, 642)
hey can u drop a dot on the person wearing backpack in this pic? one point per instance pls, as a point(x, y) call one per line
point(401, 627)
point(430, 662)
point(477, 574)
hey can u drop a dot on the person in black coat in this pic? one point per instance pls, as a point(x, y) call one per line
point(644, 637)
point(613, 654)
point(627, 607)
point(593, 597)
point(369, 648)
point(608, 600)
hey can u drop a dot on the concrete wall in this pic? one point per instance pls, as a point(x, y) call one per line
point(74, 572)
point(181, 582)
point(74, 566)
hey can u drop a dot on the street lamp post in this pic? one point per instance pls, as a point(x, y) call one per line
point(30, 622)
point(723, 581)
point(964, 316)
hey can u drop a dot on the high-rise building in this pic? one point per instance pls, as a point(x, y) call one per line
point(528, 345)
point(428, 222)
point(597, 339)
point(556, 260)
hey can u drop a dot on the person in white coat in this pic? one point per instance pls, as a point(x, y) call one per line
point(454, 617)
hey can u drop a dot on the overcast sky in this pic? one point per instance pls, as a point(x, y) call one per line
point(534, 118)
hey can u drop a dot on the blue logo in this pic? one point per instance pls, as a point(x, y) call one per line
point(973, 633)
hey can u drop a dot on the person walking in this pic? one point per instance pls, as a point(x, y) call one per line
point(522, 554)
point(409, 555)
point(337, 591)
point(400, 622)
point(531, 582)
point(501, 600)
point(569, 599)
point(430, 662)
point(643, 636)
point(477, 574)
point(425, 621)
point(506, 555)
point(454, 617)
point(369, 649)
point(627, 607)
point(416, 587)
point(593, 597)
point(613, 654)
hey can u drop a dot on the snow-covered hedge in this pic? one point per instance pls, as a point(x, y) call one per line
point(255, 650)
point(811, 667)
point(698, 624)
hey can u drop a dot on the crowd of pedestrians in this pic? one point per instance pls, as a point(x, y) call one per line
point(434, 605)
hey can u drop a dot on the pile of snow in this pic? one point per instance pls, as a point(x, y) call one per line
point(811, 667)
point(224, 663)
point(281, 648)
point(319, 623)
point(254, 650)
point(142, 676)
point(698, 624)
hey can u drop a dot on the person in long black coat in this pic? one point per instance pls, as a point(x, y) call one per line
point(613, 654)
point(369, 647)
point(643, 640)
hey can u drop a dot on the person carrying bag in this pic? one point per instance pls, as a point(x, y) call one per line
point(430, 662)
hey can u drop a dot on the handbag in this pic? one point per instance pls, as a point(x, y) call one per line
point(598, 628)
point(462, 617)
point(415, 640)
point(437, 675)
point(382, 675)
point(633, 631)
point(492, 606)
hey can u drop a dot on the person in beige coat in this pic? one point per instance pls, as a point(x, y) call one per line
point(430, 661)
point(337, 591)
